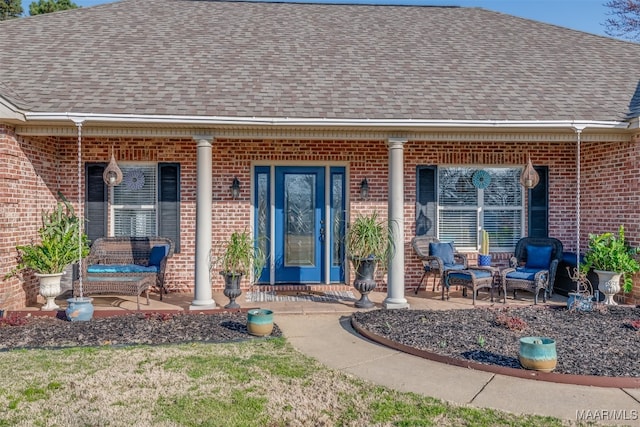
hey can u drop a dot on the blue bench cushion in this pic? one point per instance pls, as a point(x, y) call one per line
point(538, 256)
point(463, 275)
point(121, 268)
point(444, 251)
point(524, 273)
point(157, 253)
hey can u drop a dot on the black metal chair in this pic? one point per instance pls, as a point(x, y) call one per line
point(533, 267)
point(433, 264)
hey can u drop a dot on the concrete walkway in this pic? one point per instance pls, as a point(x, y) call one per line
point(329, 338)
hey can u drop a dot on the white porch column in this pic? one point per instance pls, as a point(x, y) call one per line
point(395, 286)
point(204, 188)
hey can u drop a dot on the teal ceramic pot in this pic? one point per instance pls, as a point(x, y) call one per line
point(79, 309)
point(260, 322)
point(484, 260)
point(538, 353)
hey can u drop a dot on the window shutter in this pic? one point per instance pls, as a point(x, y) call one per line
point(95, 201)
point(426, 201)
point(169, 202)
point(539, 205)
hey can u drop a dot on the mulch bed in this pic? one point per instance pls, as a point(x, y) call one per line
point(603, 342)
point(18, 331)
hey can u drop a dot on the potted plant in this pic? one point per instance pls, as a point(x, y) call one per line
point(238, 256)
point(60, 244)
point(611, 258)
point(369, 245)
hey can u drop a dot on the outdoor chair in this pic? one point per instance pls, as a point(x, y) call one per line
point(437, 258)
point(533, 267)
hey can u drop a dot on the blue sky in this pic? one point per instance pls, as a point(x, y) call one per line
point(583, 15)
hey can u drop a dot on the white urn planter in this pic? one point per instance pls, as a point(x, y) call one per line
point(50, 289)
point(609, 285)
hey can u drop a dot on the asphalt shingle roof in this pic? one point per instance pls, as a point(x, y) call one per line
point(246, 59)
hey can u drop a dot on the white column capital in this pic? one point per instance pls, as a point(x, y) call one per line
point(396, 142)
point(203, 137)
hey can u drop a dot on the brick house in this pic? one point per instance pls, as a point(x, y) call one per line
point(302, 103)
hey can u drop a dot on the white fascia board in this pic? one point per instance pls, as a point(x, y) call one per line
point(132, 119)
point(9, 112)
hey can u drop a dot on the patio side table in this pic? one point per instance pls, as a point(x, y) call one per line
point(473, 278)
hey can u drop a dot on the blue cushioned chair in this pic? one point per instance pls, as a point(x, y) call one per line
point(437, 258)
point(533, 267)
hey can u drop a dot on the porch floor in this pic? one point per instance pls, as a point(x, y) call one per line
point(173, 301)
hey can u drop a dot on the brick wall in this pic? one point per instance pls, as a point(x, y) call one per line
point(610, 194)
point(28, 185)
point(30, 182)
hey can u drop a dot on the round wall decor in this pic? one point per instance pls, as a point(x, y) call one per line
point(134, 179)
point(481, 179)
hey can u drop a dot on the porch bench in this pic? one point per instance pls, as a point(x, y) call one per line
point(112, 257)
point(119, 285)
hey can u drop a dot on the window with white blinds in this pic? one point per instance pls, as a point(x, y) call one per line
point(134, 205)
point(492, 201)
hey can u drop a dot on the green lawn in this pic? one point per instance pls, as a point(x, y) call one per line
point(258, 383)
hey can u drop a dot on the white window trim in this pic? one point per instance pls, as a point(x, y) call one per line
point(479, 209)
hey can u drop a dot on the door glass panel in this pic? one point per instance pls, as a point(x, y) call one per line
point(337, 213)
point(263, 211)
point(299, 217)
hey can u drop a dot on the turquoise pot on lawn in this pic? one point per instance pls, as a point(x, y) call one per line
point(260, 322)
point(538, 353)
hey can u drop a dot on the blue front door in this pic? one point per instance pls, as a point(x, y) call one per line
point(305, 249)
point(299, 224)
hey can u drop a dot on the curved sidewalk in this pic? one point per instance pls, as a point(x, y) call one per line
point(329, 338)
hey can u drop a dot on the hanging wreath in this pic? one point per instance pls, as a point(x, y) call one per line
point(481, 179)
point(134, 179)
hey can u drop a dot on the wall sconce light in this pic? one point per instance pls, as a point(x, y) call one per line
point(235, 189)
point(112, 174)
point(529, 177)
point(364, 189)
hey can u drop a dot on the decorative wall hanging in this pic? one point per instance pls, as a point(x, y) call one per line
point(529, 177)
point(481, 179)
point(112, 175)
point(134, 179)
